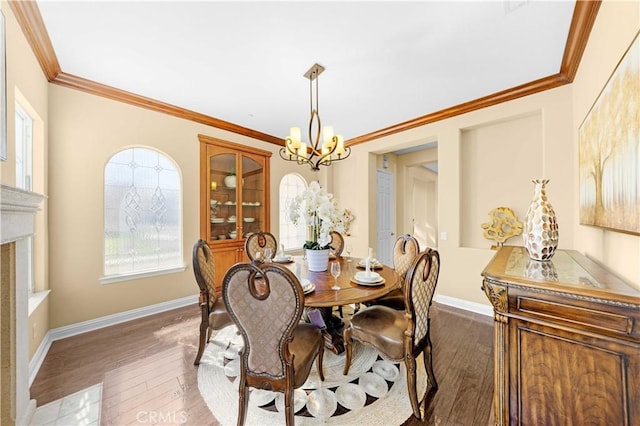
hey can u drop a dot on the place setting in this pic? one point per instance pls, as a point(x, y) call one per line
point(281, 257)
point(375, 264)
point(368, 278)
point(307, 286)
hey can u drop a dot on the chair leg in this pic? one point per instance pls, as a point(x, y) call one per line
point(244, 400)
point(410, 363)
point(204, 328)
point(319, 358)
point(348, 343)
point(427, 357)
point(288, 407)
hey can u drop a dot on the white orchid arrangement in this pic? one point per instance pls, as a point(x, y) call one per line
point(321, 214)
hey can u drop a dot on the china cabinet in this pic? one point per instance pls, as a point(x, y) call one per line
point(234, 198)
point(567, 341)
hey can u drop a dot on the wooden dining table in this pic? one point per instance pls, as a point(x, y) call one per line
point(350, 292)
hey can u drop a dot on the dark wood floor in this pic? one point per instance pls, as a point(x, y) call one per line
point(146, 365)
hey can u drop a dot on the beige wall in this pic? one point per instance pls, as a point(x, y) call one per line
point(27, 85)
point(85, 131)
point(554, 142)
point(616, 25)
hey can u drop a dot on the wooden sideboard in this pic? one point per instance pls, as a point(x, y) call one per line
point(567, 341)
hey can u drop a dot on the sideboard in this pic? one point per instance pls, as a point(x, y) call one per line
point(566, 341)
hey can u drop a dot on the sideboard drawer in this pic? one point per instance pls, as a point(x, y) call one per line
point(578, 316)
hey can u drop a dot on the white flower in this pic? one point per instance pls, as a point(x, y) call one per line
point(319, 209)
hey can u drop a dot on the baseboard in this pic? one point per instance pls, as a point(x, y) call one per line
point(478, 308)
point(38, 357)
point(98, 323)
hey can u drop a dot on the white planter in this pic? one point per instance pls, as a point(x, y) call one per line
point(317, 260)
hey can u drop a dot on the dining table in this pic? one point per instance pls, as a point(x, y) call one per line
point(351, 291)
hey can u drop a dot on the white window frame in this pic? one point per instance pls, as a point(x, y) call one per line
point(24, 176)
point(286, 226)
point(24, 149)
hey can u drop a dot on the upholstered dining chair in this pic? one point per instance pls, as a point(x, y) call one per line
point(214, 313)
point(402, 335)
point(405, 251)
point(256, 244)
point(279, 350)
point(336, 243)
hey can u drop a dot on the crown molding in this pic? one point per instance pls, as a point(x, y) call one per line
point(29, 18)
point(536, 86)
point(88, 86)
point(584, 15)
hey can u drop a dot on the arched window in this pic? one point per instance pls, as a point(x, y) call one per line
point(292, 236)
point(142, 213)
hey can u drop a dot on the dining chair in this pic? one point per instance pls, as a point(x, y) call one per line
point(279, 350)
point(214, 313)
point(336, 243)
point(402, 335)
point(256, 244)
point(405, 250)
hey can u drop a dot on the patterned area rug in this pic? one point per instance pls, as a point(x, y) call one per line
point(373, 393)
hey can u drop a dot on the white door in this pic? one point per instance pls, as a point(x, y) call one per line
point(386, 208)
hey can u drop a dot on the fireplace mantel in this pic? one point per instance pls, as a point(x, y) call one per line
point(17, 215)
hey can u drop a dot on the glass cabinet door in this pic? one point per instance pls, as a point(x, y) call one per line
point(223, 212)
point(253, 196)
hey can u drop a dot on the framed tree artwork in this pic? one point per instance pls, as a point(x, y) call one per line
point(609, 150)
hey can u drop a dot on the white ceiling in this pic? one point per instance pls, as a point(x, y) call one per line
point(243, 62)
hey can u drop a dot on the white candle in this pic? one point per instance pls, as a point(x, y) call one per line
point(327, 132)
point(340, 148)
point(294, 134)
point(302, 151)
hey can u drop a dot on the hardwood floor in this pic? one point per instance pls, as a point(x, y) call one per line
point(146, 369)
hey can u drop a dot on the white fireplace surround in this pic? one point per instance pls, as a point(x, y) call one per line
point(17, 214)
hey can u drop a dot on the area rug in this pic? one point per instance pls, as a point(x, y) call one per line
point(373, 393)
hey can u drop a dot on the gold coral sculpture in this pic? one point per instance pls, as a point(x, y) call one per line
point(504, 224)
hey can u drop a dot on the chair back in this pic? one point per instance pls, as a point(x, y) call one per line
point(405, 251)
point(419, 289)
point(204, 270)
point(266, 311)
point(258, 242)
point(337, 243)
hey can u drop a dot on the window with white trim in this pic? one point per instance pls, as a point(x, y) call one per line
point(24, 175)
point(24, 149)
point(142, 213)
point(292, 236)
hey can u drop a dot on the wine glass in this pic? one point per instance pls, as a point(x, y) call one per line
point(268, 254)
point(335, 271)
point(348, 249)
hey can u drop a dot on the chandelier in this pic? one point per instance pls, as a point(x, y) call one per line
point(315, 154)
